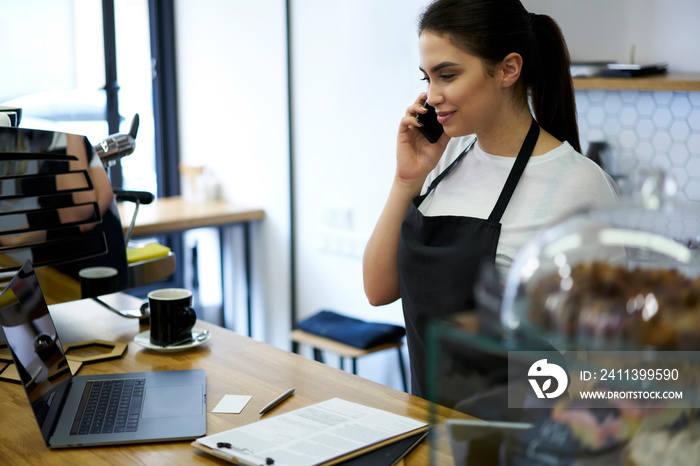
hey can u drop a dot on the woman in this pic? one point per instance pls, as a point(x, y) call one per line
point(481, 60)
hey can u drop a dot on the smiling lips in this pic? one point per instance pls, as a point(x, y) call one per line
point(442, 117)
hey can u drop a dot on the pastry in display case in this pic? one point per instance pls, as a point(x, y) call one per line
point(620, 276)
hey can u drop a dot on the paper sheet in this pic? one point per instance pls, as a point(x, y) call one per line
point(311, 435)
point(232, 404)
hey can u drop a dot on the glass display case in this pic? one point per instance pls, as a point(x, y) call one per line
point(592, 355)
point(625, 275)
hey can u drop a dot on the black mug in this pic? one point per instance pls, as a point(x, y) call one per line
point(98, 281)
point(172, 316)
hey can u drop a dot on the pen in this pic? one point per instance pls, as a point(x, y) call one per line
point(277, 401)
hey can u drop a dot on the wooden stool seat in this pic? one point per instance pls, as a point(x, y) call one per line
point(319, 343)
point(337, 347)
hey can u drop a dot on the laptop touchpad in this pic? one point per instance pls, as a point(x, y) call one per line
point(173, 401)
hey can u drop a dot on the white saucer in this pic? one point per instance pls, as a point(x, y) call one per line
point(144, 339)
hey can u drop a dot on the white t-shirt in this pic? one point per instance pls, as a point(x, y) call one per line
point(552, 186)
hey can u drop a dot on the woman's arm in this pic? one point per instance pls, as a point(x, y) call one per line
point(415, 158)
point(379, 265)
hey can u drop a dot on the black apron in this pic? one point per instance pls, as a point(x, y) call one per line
point(439, 260)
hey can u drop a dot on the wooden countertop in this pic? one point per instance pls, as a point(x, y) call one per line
point(234, 364)
point(660, 82)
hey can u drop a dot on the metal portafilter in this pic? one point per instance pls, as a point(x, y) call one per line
point(118, 145)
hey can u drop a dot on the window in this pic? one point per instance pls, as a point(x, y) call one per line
point(55, 71)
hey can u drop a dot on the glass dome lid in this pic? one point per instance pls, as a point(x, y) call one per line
point(617, 276)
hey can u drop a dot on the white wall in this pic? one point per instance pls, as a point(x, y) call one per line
point(355, 70)
point(659, 30)
point(232, 91)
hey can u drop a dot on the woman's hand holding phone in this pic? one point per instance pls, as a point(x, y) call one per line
point(430, 126)
point(416, 155)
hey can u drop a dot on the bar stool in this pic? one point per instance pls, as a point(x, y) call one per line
point(327, 342)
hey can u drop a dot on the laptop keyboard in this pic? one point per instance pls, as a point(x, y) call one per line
point(109, 406)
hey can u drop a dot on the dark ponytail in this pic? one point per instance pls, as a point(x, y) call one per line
point(491, 30)
point(552, 90)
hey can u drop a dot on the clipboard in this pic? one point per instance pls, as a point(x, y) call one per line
point(235, 445)
point(388, 455)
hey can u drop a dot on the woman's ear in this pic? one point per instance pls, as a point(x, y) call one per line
point(511, 66)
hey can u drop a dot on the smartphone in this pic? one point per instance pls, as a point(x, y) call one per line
point(431, 128)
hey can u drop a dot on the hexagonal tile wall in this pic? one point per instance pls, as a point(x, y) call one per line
point(645, 128)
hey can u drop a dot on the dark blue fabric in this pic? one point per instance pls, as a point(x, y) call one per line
point(351, 331)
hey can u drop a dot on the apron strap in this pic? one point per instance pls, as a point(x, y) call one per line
point(447, 170)
point(517, 170)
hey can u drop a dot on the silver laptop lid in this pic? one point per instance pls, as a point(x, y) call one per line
point(36, 349)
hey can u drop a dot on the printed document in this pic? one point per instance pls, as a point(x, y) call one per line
point(309, 436)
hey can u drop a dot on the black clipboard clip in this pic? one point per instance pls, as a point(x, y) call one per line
point(227, 446)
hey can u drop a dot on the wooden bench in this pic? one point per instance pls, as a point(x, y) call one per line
point(320, 344)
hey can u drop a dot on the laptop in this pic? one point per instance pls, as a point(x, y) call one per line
point(90, 410)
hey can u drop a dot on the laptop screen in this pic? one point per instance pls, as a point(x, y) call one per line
point(36, 349)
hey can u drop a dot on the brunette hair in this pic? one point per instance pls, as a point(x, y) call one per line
point(491, 29)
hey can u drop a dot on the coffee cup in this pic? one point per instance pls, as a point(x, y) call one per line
point(172, 316)
point(97, 281)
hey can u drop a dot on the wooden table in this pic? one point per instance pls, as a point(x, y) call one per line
point(177, 214)
point(174, 214)
point(234, 364)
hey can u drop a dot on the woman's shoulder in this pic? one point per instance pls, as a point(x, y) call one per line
point(565, 154)
point(579, 169)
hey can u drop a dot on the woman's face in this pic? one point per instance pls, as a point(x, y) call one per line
point(465, 97)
